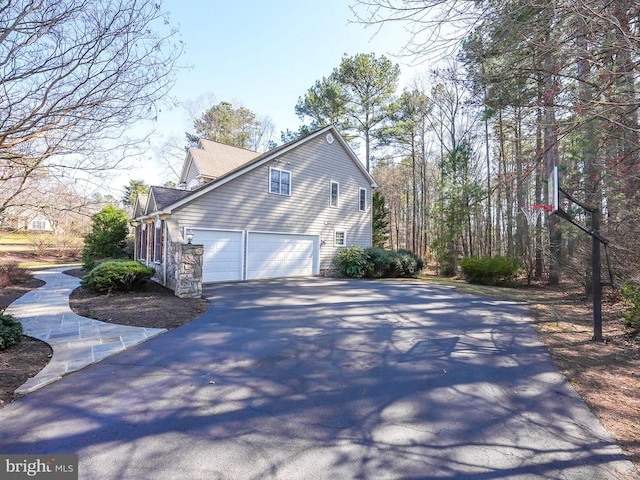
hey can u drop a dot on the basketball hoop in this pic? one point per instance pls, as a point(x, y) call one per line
point(545, 207)
point(532, 212)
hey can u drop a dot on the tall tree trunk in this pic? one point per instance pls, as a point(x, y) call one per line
point(367, 147)
point(414, 200)
point(489, 220)
point(626, 81)
point(551, 159)
point(498, 244)
point(508, 188)
point(540, 168)
point(522, 229)
point(425, 224)
point(592, 171)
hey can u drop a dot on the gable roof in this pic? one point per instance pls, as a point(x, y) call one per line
point(212, 159)
point(185, 196)
point(164, 196)
point(140, 207)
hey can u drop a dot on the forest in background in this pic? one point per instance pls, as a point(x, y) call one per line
point(462, 155)
point(466, 152)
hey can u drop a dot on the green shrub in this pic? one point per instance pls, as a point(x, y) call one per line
point(351, 262)
point(631, 294)
point(374, 262)
point(490, 270)
point(378, 262)
point(410, 264)
point(109, 231)
point(122, 276)
point(10, 331)
point(12, 274)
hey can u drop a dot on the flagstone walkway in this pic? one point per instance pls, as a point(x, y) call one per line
point(76, 341)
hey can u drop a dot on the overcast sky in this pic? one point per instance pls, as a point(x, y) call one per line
point(263, 54)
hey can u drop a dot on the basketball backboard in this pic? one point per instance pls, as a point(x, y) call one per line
point(553, 190)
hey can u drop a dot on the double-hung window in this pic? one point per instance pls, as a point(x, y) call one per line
point(335, 193)
point(362, 200)
point(340, 237)
point(279, 181)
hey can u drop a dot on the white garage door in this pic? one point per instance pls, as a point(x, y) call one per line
point(222, 259)
point(271, 255)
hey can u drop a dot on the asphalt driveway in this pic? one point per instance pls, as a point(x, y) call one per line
point(325, 378)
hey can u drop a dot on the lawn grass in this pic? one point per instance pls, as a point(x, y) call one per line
point(16, 238)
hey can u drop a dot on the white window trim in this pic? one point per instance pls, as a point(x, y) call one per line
point(39, 224)
point(279, 186)
point(361, 207)
point(337, 194)
point(344, 236)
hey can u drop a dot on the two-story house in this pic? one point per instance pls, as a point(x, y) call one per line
point(286, 212)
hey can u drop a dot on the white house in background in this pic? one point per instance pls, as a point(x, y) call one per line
point(26, 219)
point(39, 224)
point(286, 212)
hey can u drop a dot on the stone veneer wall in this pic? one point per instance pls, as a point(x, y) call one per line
point(170, 281)
point(184, 269)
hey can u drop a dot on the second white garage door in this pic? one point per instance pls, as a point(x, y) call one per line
point(271, 255)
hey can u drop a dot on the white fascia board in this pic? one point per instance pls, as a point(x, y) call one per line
point(186, 165)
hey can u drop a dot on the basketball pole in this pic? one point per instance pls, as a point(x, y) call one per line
point(596, 281)
point(596, 240)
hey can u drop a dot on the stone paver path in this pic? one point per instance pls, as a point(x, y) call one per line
point(76, 341)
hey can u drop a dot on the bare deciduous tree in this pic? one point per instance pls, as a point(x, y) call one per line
point(436, 28)
point(75, 74)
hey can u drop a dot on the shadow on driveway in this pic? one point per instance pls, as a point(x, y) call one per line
point(325, 378)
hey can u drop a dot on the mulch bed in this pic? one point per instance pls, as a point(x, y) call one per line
point(154, 306)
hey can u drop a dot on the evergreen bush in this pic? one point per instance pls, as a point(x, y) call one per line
point(351, 262)
point(490, 270)
point(631, 294)
point(109, 231)
point(122, 276)
point(10, 331)
point(377, 263)
point(410, 264)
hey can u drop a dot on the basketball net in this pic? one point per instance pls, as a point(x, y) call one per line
point(534, 211)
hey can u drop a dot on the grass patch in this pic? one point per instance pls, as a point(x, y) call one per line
point(16, 238)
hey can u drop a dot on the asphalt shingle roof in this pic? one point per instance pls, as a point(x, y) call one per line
point(166, 196)
point(216, 159)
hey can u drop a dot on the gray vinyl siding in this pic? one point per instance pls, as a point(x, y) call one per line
point(152, 203)
point(246, 204)
point(192, 173)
